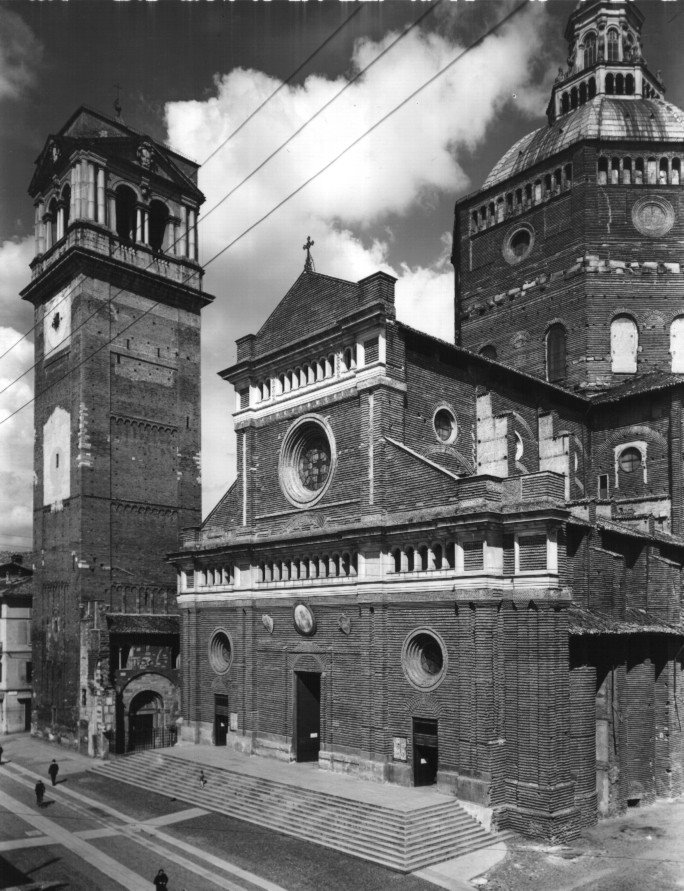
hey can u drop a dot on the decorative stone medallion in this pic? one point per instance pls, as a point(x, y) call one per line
point(653, 216)
point(304, 619)
point(267, 622)
point(344, 624)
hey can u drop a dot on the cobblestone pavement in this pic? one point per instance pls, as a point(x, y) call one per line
point(638, 851)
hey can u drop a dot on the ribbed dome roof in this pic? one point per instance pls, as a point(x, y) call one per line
point(610, 118)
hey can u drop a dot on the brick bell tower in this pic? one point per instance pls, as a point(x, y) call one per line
point(569, 258)
point(117, 292)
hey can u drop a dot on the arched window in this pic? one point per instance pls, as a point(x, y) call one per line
point(610, 84)
point(582, 93)
point(675, 172)
point(592, 87)
point(51, 223)
point(565, 103)
point(488, 351)
point(499, 209)
point(556, 353)
point(602, 177)
point(639, 171)
point(66, 205)
point(437, 556)
point(677, 344)
point(619, 85)
point(125, 202)
point(537, 191)
point(159, 218)
point(573, 97)
point(624, 343)
point(663, 172)
point(629, 85)
point(626, 171)
point(651, 171)
point(615, 171)
point(567, 176)
point(410, 559)
point(423, 557)
point(590, 50)
point(612, 45)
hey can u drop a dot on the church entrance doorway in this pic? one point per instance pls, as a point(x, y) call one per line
point(146, 722)
point(220, 719)
point(308, 715)
point(425, 752)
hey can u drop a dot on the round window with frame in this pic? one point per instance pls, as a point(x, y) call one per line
point(518, 244)
point(630, 460)
point(307, 461)
point(445, 425)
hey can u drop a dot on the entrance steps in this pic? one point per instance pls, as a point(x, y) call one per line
point(414, 832)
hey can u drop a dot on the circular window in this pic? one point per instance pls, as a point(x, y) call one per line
point(220, 652)
point(424, 659)
point(307, 461)
point(445, 426)
point(630, 460)
point(518, 244)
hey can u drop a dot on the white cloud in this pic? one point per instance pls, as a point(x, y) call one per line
point(15, 274)
point(16, 434)
point(20, 55)
point(16, 444)
point(399, 168)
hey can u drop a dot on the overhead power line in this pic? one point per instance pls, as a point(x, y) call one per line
point(294, 192)
point(429, 10)
point(288, 80)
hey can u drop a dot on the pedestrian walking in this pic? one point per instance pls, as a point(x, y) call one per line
point(53, 770)
point(161, 880)
point(40, 792)
point(202, 780)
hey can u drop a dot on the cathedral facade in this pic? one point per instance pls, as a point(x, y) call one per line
point(116, 288)
point(462, 564)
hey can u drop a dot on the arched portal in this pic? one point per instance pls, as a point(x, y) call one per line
point(145, 721)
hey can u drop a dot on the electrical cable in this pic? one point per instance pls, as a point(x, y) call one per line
point(277, 206)
point(306, 123)
point(231, 135)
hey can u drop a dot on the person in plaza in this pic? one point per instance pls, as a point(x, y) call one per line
point(53, 770)
point(161, 880)
point(202, 780)
point(40, 792)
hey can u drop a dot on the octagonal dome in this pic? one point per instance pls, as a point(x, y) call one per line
point(609, 118)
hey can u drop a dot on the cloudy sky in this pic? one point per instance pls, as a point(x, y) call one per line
point(191, 72)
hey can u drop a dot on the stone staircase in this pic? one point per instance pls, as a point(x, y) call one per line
point(401, 839)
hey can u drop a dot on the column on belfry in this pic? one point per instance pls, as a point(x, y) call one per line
point(146, 225)
point(83, 190)
point(40, 227)
point(90, 202)
point(138, 224)
point(111, 203)
point(184, 233)
point(75, 193)
point(60, 219)
point(176, 230)
point(192, 234)
point(100, 195)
